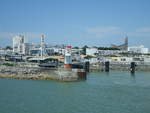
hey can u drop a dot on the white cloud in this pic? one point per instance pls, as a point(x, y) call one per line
point(6, 35)
point(27, 34)
point(105, 31)
point(117, 31)
point(143, 30)
point(140, 32)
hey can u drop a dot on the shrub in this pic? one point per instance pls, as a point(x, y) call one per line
point(8, 64)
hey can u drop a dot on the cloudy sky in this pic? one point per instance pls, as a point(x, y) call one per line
point(76, 22)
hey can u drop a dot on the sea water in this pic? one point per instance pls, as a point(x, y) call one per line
point(113, 92)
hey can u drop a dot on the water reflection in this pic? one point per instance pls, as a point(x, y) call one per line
point(107, 73)
point(133, 77)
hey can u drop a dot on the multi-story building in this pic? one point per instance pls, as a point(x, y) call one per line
point(96, 52)
point(27, 47)
point(18, 44)
point(108, 52)
point(91, 51)
point(138, 49)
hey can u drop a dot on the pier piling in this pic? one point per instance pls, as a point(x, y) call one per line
point(87, 67)
point(107, 66)
point(132, 68)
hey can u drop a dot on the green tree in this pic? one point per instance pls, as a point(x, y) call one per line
point(9, 47)
point(88, 57)
point(84, 49)
point(76, 47)
point(108, 48)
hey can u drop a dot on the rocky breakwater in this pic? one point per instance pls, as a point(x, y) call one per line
point(26, 73)
point(34, 72)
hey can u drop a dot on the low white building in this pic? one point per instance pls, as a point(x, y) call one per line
point(26, 48)
point(120, 60)
point(95, 51)
point(59, 50)
point(2, 52)
point(5, 52)
point(147, 60)
point(91, 51)
point(108, 52)
point(138, 49)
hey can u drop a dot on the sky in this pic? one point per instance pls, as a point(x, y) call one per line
point(76, 22)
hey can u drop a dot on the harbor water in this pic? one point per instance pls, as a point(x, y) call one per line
point(113, 92)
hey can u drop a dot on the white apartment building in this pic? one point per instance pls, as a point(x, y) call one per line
point(18, 44)
point(95, 51)
point(138, 49)
point(91, 51)
point(109, 52)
